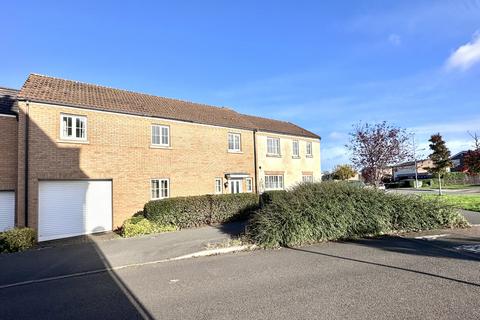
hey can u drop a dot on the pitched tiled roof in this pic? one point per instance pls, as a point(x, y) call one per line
point(53, 90)
point(7, 100)
point(270, 125)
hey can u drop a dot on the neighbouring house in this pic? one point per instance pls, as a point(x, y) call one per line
point(458, 164)
point(79, 158)
point(406, 170)
point(8, 157)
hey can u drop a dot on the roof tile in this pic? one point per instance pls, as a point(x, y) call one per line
point(54, 90)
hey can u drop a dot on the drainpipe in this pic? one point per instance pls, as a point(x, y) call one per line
point(255, 159)
point(27, 124)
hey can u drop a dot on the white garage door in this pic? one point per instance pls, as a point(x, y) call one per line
point(7, 210)
point(72, 208)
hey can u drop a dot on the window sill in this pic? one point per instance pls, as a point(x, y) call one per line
point(73, 141)
point(238, 152)
point(309, 156)
point(296, 157)
point(274, 155)
point(152, 146)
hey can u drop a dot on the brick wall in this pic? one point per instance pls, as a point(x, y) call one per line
point(8, 153)
point(118, 148)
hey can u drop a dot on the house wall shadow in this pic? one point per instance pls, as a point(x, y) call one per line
point(65, 281)
point(100, 293)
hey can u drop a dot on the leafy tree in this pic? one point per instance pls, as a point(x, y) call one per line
point(375, 147)
point(472, 161)
point(440, 157)
point(472, 158)
point(344, 172)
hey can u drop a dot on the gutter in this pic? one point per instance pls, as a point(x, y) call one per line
point(255, 159)
point(27, 133)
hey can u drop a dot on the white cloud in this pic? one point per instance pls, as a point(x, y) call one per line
point(394, 39)
point(466, 55)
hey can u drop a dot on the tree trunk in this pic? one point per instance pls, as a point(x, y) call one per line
point(439, 185)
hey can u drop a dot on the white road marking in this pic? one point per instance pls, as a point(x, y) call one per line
point(432, 237)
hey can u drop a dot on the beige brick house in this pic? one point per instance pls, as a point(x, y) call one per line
point(80, 158)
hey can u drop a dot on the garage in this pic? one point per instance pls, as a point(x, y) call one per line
point(72, 208)
point(7, 210)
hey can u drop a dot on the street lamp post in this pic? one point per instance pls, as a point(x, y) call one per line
point(415, 162)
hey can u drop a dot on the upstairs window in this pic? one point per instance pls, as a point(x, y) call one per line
point(295, 149)
point(160, 135)
point(73, 127)
point(309, 149)
point(160, 188)
point(234, 142)
point(274, 182)
point(273, 146)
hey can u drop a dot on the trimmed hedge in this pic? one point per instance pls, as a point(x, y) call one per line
point(188, 212)
point(271, 196)
point(139, 225)
point(324, 211)
point(17, 239)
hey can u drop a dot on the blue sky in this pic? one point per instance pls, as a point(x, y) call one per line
point(322, 65)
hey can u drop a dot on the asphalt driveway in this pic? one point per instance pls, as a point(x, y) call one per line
point(432, 275)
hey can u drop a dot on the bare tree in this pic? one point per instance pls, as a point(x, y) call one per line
point(376, 147)
point(476, 140)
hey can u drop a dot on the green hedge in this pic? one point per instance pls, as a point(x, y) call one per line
point(139, 225)
point(271, 196)
point(188, 212)
point(18, 239)
point(328, 211)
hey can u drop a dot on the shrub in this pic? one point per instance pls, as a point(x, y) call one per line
point(411, 183)
point(455, 178)
point(271, 196)
point(230, 207)
point(18, 239)
point(138, 225)
point(328, 211)
point(188, 212)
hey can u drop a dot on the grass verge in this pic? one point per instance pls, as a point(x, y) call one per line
point(463, 201)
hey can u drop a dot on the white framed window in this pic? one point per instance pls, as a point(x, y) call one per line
point(309, 149)
point(73, 127)
point(307, 178)
point(218, 185)
point(160, 135)
point(160, 188)
point(249, 184)
point(234, 142)
point(273, 146)
point(295, 149)
point(274, 182)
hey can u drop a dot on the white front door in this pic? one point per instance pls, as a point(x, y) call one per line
point(72, 208)
point(7, 210)
point(235, 186)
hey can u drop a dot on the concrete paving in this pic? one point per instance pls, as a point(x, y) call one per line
point(381, 278)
